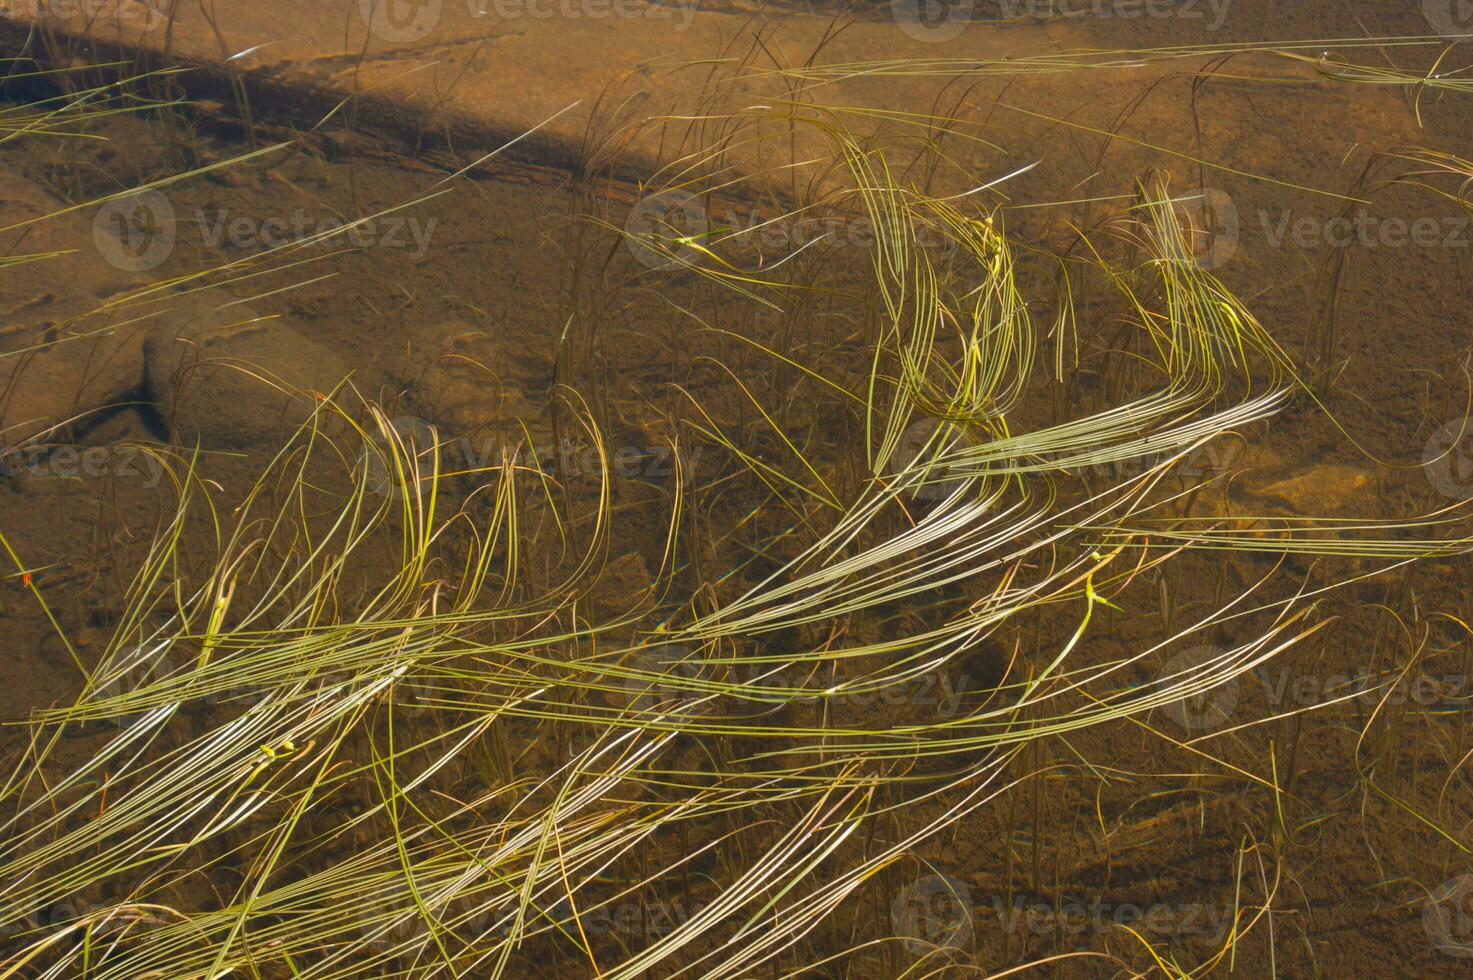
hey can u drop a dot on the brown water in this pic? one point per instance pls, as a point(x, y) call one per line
point(451, 311)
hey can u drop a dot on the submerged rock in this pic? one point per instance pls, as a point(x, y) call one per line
point(224, 376)
point(1328, 490)
point(67, 356)
point(219, 373)
point(62, 271)
point(74, 382)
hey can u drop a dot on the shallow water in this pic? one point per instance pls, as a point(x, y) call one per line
point(493, 314)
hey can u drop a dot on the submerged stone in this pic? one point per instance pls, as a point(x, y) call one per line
point(1329, 490)
point(225, 376)
point(68, 354)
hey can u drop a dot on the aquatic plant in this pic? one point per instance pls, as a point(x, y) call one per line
point(385, 744)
